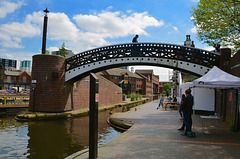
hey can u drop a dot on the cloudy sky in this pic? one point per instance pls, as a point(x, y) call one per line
point(86, 24)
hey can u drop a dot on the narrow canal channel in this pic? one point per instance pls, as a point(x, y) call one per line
point(50, 139)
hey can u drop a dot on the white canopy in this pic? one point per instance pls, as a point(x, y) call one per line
point(217, 78)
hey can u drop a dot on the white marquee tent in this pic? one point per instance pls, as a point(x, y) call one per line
point(203, 88)
point(217, 78)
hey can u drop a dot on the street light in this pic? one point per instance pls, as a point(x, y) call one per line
point(44, 31)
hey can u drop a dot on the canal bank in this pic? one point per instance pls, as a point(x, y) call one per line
point(29, 115)
point(155, 134)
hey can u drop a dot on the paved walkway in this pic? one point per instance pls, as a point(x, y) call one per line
point(155, 135)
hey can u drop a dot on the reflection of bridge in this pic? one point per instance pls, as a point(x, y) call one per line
point(193, 60)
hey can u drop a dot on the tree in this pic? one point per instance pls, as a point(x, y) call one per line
point(167, 88)
point(47, 52)
point(218, 22)
point(63, 51)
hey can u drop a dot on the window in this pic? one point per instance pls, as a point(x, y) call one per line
point(24, 79)
point(9, 79)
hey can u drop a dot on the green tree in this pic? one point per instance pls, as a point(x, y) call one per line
point(218, 22)
point(167, 88)
point(47, 52)
point(63, 50)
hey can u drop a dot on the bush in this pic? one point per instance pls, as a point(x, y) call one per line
point(133, 95)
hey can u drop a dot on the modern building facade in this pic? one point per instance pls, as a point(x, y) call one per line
point(8, 63)
point(25, 65)
point(70, 53)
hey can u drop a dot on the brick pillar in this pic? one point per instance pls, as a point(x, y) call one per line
point(51, 94)
point(225, 55)
point(234, 64)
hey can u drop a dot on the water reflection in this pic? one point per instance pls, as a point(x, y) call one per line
point(49, 139)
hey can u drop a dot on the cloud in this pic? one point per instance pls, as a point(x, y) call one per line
point(53, 49)
point(8, 7)
point(175, 28)
point(209, 48)
point(11, 34)
point(92, 30)
point(194, 30)
point(116, 24)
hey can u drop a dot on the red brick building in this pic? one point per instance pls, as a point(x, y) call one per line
point(147, 85)
point(133, 83)
point(153, 81)
point(16, 78)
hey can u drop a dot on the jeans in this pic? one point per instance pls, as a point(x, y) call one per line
point(180, 111)
point(188, 122)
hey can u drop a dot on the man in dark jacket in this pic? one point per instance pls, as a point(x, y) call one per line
point(134, 40)
point(187, 111)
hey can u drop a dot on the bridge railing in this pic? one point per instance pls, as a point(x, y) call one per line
point(157, 50)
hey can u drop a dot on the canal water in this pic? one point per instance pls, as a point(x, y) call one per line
point(54, 139)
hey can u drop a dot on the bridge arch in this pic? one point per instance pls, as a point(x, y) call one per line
point(193, 60)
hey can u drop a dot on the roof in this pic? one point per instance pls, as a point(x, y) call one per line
point(144, 71)
point(12, 73)
point(15, 73)
point(217, 78)
point(120, 72)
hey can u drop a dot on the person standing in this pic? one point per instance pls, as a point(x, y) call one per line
point(134, 40)
point(161, 99)
point(180, 108)
point(187, 111)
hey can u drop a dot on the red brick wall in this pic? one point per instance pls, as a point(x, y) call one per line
point(234, 61)
point(28, 78)
point(228, 109)
point(109, 93)
point(51, 94)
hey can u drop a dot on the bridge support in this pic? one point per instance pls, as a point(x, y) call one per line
point(93, 116)
point(49, 92)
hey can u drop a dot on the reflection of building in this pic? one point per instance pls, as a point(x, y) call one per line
point(25, 66)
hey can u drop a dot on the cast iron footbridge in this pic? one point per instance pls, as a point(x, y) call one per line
point(188, 59)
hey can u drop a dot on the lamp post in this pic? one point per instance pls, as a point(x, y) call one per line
point(44, 31)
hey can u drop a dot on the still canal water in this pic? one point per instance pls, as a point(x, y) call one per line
point(50, 139)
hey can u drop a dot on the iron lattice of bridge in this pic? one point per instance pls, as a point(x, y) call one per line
point(189, 59)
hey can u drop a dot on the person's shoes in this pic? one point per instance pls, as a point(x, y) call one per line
point(183, 134)
point(181, 129)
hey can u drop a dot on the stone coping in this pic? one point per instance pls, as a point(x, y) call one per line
point(29, 115)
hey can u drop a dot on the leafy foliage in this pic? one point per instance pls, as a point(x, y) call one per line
point(218, 22)
point(167, 88)
point(63, 50)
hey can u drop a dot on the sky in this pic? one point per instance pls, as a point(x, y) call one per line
point(87, 24)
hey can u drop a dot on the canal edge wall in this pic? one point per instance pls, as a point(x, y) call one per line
point(29, 115)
